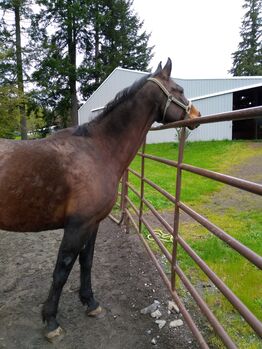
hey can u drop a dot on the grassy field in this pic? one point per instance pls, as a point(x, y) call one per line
point(217, 156)
point(245, 225)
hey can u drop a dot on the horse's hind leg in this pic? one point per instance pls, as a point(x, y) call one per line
point(86, 261)
point(71, 244)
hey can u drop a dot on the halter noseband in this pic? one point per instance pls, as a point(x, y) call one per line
point(171, 98)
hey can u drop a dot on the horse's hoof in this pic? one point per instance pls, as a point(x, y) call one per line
point(55, 335)
point(98, 312)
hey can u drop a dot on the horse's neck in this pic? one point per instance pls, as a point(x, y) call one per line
point(123, 130)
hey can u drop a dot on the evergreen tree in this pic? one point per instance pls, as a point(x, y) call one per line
point(58, 30)
point(7, 56)
point(11, 66)
point(247, 60)
point(82, 41)
point(117, 40)
point(68, 43)
point(9, 112)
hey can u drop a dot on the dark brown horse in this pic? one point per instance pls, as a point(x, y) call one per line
point(70, 179)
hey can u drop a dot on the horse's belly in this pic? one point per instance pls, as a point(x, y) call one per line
point(29, 209)
point(29, 222)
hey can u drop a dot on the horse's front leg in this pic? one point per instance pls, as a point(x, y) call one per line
point(86, 261)
point(72, 242)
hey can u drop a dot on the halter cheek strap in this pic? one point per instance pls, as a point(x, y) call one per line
point(171, 98)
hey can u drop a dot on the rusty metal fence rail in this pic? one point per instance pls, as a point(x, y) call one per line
point(129, 211)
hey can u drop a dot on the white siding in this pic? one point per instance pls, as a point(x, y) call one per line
point(201, 87)
point(215, 131)
point(220, 130)
point(162, 136)
point(215, 104)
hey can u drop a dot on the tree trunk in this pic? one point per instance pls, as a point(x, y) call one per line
point(71, 29)
point(96, 28)
point(19, 70)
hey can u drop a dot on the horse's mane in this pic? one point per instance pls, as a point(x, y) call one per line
point(123, 95)
point(120, 98)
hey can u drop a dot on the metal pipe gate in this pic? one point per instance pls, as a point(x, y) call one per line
point(176, 271)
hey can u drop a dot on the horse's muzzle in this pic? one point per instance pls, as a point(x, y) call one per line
point(193, 114)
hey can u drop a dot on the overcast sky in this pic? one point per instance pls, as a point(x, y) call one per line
point(199, 36)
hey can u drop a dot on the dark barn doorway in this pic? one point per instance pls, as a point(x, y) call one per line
point(247, 129)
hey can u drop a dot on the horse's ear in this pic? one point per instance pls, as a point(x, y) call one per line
point(167, 69)
point(158, 69)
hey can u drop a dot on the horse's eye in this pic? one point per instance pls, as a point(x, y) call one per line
point(178, 89)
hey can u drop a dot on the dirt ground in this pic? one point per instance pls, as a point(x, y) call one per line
point(124, 283)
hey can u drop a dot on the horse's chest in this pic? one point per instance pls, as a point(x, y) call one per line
point(93, 195)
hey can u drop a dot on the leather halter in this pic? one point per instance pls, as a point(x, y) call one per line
point(171, 98)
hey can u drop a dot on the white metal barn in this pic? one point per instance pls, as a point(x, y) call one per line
point(211, 96)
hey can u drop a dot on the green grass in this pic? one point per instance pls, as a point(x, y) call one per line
point(217, 156)
point(245, 225)
point(240, 276)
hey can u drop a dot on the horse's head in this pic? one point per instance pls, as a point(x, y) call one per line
point(174, 105)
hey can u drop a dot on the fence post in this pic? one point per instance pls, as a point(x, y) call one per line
point(123, 204)
point(142, 185)
point(182, 139)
